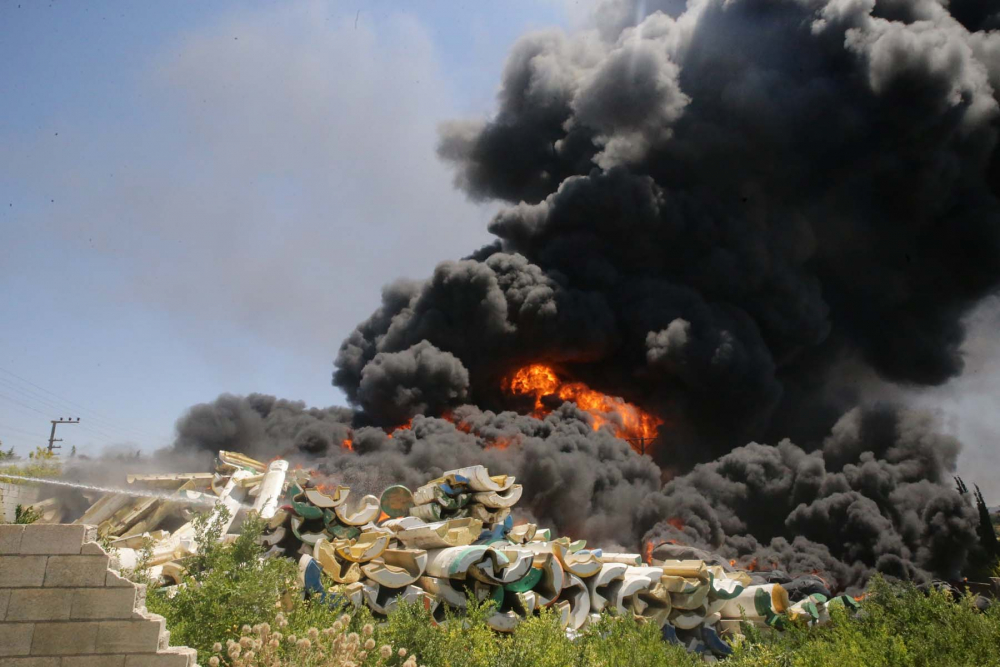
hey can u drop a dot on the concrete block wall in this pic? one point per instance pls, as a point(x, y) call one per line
point(12, 495)
point(61, 605)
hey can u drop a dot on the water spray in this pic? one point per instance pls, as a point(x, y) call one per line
point(136, 493)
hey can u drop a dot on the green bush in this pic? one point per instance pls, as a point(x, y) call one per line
point(228, 587)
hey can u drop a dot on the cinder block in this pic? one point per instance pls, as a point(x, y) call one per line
point(173, 657)
point(4, 599)
point(15, 638)
point(64, 638)
point(29, 662)
point(76, 571)
point(22, 571)
point(104, 603)
point(93, 549)
point(10, 538)
point(93, 661)
point(39, 604)
point(115, 579)
point(53, 539)
point(129, 636)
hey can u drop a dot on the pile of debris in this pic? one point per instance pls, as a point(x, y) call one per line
point(451, 540)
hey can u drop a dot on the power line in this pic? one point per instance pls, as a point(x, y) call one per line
point(23, 405)
point(21, 430)
point(96, 416)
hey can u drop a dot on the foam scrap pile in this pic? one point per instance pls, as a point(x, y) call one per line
point(451, 539)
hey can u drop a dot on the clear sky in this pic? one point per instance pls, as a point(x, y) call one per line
point(205, 197)
point(201, 197)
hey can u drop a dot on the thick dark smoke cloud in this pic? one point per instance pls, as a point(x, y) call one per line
point(794, 185)
point(734, 214)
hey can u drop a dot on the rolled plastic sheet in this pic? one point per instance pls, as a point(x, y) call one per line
point(239, 461)
point(442, 534)
point(269, 491)
point(478, 478)
point(396, 501)
point(358, 514)
point(634, 560)
point(498, 499)
point(397, 567)
point(757, 602)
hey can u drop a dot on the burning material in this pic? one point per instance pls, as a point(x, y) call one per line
point(627, 421)
point(451, 537)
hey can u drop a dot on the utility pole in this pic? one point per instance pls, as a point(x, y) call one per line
point(52, 436)
point(641, 442)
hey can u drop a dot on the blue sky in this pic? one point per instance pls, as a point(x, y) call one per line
point(206, 197)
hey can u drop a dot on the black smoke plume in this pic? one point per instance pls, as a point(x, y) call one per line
point(737, 214)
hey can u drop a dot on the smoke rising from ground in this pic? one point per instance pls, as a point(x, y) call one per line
point(734, 214)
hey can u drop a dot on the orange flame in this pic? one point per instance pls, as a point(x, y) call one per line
point(401, 427)
point(382, 517)
point(500, 442)
point(347, 444)
point(647, 554)
point(628, 421)
point(676, 523)
point(732, 562)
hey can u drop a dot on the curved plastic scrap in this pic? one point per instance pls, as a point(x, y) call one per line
point(583, 564)
point(430, 512)
point(497, 533)
point(522, 603)
point(301, 505)
point(503, 566)
point(499, 499)
point(442, 494)
point(653, 603)
point(360, 513)
point(478, 478)
point(714, 642)
point(597, 586)
point(503, 621)
point(341, 571)
point(310, 578)
point(382, 600)
point(687, 619)
point(634, 560)
point(397, 567)
point(454, 562)
point(443, 534)
point(575, 592)
point(550, 584)
point(301, 530)
point(454, 593)
point(725, 588)
point(542, 535)
point(399, 524)
point(525, 583)
point(522, 533)
point(691, 600)
point(343, 532)
point(236, 460)
point(486, 515)
point(634, 580)
point(369, 545)
point(328, 500)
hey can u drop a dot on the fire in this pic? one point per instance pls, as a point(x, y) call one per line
point(347, 444)
point(676, 523)
point(628, 421)
point(500, 442)
point(647, 553)
point(402, 427)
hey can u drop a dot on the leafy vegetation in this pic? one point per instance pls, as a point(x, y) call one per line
point(240, 611)
point(41, 463)
point(25, 514)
